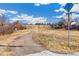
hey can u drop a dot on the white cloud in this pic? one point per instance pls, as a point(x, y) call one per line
point(75, 8)
point(72, 16)
point(60, 16)
point(59, 10)
point(12, 12)
point(30, 19)
point(39, 4)
point(37, 20)
point(75, 16)
point(3, 11)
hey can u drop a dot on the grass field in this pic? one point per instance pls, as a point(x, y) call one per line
point(53, 40)
point(57, 40)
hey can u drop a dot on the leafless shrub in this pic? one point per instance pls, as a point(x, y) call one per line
point(6, 29)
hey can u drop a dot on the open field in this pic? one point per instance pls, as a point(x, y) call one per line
point(57, 40)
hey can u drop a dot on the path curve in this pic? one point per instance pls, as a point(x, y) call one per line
point(29, 46)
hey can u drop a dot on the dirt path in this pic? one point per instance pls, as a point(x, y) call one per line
point(28, 46)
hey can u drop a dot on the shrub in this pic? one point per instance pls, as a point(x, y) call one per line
point(6, 29)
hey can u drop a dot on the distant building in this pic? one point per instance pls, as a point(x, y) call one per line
point(73, 25)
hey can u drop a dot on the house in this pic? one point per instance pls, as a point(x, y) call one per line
point(17, 26)
point(73, 25)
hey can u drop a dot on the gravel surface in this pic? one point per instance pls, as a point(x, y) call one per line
point(26, 46)
point(48, 53)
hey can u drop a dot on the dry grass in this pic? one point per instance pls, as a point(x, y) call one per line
point(57, 40)
point(9, 38)
point(53, 40)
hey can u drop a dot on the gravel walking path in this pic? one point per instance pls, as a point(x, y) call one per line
point(28, 46)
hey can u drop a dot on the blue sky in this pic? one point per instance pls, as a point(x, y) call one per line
point(51, 12)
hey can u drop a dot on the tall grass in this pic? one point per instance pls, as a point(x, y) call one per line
point(57, 40)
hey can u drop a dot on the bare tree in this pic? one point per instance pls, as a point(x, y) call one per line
point(5, 27)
